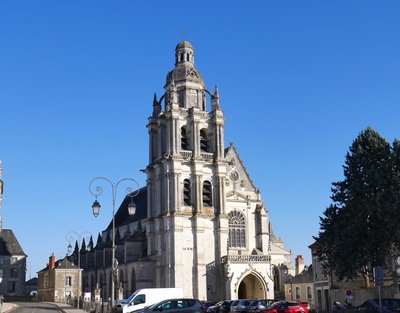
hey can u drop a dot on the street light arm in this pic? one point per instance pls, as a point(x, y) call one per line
point(97, 191)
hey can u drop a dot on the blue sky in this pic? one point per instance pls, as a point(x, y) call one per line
point(298, 80)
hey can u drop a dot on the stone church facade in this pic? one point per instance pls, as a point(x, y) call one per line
point(201, 223)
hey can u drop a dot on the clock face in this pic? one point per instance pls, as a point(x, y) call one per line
point(234, 175)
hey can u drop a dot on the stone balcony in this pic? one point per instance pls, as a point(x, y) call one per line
point(186, 154)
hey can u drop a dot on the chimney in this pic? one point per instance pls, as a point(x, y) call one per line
point(299, 264)
point(52, 261)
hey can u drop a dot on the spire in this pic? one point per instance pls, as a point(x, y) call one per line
point(156, 106)
point(83, 246)
point(90, 244)
point(215, 99)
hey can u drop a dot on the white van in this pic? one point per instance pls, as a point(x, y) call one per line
point(147, 296)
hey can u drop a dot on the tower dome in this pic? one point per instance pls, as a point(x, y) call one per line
point(184, 65)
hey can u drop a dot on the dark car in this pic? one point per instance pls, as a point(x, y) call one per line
point(259, 306)
point(240, 306)
point(286, 307)
point(175, 305)
point(220, 307)
point(207, 304)
point(372, 306)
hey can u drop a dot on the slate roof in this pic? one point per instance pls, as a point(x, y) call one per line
point(66, 263)
point(9, 244)
point(306, 276)
point(122, 216)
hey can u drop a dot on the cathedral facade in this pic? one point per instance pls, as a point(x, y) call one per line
point(201, 223)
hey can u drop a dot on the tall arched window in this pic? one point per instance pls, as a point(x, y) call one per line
point(237, 229)
point(275, 273)
point(184, 139)
point(207, 194)
point(133, 280)
point(187, 192)
point(204, 144)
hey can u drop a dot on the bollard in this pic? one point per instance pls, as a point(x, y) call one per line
point(1, 303)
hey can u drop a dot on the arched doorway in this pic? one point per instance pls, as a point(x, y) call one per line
point(251, 287)
point(133, 281)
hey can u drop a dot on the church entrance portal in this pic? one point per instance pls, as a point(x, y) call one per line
point(251, 288)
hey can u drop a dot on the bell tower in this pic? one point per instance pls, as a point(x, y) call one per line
point(185, 178)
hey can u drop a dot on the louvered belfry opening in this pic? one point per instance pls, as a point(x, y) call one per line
point(184, 139)
point(207, 194)
point(187, 199)
point(204, 145)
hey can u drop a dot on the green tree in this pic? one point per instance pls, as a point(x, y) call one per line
point(355, 233)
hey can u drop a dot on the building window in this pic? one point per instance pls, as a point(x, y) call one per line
point(68, 281)
point(184, 139)
point(297, 293)
point(204, 145)
point(309, 294)
point(13, 273)
point(46, 280)
point(237, 229)
point(277, 285)
point(207, 194)
point(187, 192)
point(11, 286)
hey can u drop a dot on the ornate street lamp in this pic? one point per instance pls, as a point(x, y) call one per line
point(97, 191)
point(70, 236)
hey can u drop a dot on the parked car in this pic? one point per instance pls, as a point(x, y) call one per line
point(259, 306)
point(286, 307)
point(207, 304)
point(372, 306)
point(181, 305)
point(220, 307)
point(305, 304)
point(240, 306)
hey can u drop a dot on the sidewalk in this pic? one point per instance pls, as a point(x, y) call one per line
point(66, 308)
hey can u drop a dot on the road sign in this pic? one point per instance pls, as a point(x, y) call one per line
point(378, 275)
point(349, 294)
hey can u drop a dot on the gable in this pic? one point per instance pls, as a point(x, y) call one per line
point(237, 173)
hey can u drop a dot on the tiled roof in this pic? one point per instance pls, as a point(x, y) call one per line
point(9, 244)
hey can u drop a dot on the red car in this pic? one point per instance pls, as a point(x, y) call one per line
point(286, 307)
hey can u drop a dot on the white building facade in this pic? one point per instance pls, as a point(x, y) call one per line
point(205, 227)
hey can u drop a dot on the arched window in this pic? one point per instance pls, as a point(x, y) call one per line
point(187, 192)
point(237, 229)
point(207, 194)
point(184, 139)
point(133, 280)
point(275, 273)
point(204, 145)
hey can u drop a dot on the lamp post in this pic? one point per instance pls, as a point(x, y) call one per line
point(70, 236)
point(97, 191)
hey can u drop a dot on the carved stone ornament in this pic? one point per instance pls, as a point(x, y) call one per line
point(192, 73)
point(234, 176)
